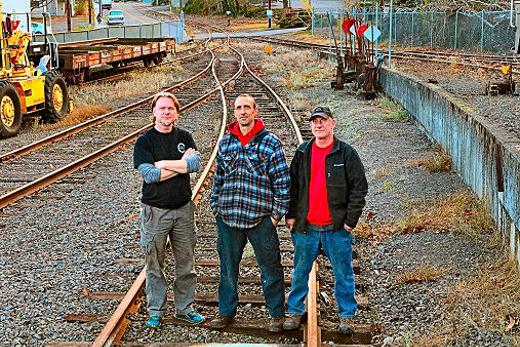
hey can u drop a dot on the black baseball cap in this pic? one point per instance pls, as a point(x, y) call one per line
point(321, 111)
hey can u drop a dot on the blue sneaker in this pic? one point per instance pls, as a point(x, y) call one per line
point(192, 317)
point(154, 322)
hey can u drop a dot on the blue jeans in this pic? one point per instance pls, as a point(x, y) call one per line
point(337, 245)
point(230, 245)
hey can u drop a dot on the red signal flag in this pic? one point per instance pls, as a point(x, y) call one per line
point(15, 24)
point(347, 24)
point(361, 29)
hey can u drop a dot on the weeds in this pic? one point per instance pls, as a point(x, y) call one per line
point(393, 112)
point(248, 251)
point(460, 212)
point(423, 273)
point(389, 185)
point(299, 69)
point(440, 162)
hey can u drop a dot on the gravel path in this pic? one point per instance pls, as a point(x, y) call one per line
point(71, 239)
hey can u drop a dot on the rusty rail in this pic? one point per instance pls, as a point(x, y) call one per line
point(94, 121)
point(312, 333)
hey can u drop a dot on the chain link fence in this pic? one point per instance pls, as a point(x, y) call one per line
point(482, 31)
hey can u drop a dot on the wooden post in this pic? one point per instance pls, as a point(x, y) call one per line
point(67, 12)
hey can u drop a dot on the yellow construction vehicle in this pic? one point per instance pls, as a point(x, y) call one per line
point(24, 88)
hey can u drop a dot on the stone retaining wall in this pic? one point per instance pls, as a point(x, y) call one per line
point(486, 157)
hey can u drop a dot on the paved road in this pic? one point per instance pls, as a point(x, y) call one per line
point(132, 11)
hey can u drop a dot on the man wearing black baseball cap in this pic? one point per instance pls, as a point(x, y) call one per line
point(328, 189)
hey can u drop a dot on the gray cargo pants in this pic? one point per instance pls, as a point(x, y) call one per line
point(157, 225)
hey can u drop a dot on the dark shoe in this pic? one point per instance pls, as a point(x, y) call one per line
point(275, 324)
point(292, 322)
point(345, 326)
point(154, 322)
point(220, 322)
point(192, 317)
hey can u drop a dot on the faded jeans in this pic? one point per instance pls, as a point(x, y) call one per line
point(265, 242)
point(157, 225)
point(337, 245)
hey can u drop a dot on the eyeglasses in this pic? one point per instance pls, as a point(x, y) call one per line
point(319, 120)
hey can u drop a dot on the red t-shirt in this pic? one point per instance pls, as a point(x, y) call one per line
point(319, 213)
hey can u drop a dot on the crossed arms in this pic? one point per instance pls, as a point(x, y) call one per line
point(165, 169)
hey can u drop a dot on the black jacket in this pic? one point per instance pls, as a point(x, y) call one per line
point(346, 185)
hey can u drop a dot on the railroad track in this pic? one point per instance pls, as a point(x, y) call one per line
point(485, 61)
point(234, 77)
point(78, 146)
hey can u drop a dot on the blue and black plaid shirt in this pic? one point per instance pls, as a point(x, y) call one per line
point(251, 182)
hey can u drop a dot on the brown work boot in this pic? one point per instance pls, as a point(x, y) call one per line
point(220, 322)
point(345, 325)
point(275, 324)
point(292, 322)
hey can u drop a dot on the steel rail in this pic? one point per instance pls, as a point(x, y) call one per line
point(114, 329)
point(451, 54)
point(94, 121)
point(414, 55)
point(66, 170)
point(312, 335)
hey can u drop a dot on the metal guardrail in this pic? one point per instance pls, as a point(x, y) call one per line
point(173, 30)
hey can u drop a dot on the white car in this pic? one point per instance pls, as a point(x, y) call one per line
point(116, 17)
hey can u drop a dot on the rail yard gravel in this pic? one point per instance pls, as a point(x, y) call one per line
point(52, 251)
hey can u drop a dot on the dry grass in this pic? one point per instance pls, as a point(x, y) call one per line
point(96, 99)
point(460, 212)
point(488, 300)
point(440, 162)
point(383, 172)
point(302, 102)
point(423, 273)
point(299, 69)
point(77, 116)
point(141, 83)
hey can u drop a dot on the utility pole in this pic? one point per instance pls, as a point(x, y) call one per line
point(90, 12)
point(67, 12)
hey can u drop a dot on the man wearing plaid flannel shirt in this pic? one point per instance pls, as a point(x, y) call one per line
point(250, 196)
